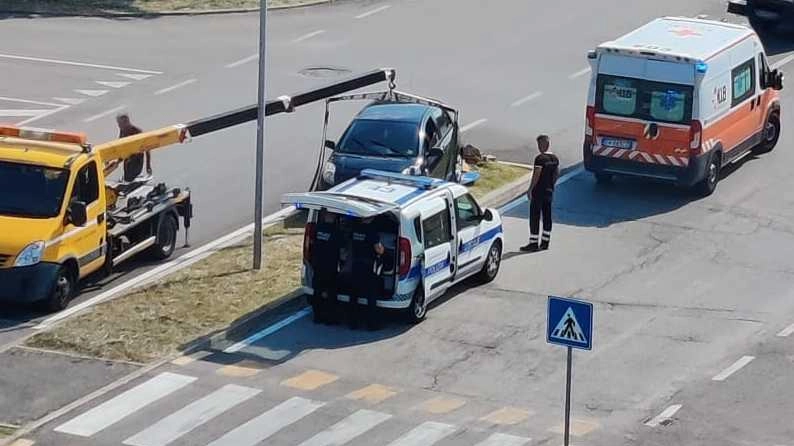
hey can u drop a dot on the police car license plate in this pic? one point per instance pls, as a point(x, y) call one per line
point(617, 143)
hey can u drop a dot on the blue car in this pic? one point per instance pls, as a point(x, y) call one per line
point(415, 138)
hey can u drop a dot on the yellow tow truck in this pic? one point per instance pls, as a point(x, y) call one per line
point(60, 220)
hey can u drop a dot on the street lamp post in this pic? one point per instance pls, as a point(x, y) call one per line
point(260, 136)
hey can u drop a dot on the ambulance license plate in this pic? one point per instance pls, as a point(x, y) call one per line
point(617, 143)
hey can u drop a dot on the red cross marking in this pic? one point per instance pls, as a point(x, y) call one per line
point(685, 32)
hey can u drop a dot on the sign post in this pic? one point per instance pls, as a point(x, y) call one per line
point(260, 136)
point(569, 323)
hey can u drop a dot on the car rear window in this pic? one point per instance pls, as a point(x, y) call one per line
point(380, 138)
point(642, 99)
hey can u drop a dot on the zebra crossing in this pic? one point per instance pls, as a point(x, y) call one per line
point(323, 423)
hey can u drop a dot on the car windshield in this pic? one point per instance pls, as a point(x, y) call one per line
point(31, 191)
point(380, 138)
point(646, 100)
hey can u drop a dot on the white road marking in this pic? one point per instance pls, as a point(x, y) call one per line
point(268, 331)
point(113, 84)
point(786, 332)
point(579, 73)
point(308, 36)
point(426, 434)
point(22, 112)
point(250, 58)
point(43, 115)
point(127, 403)
point(526, 99)
point(105, 113)
point(374, 11)
point(169, 267)
point(78, 64)
point(664, 416)
point(560, 181)
point(347, 429)
point(192, 416)
point(27, 101)
point(783, 61)
point(174, 87)
point(735, 367)
point(264, 426)
point(136, 77)
point(471, 125)
point(92, 93)
point(71, 101)
point(498, 439)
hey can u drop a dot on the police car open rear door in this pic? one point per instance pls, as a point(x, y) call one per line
point(337, 203)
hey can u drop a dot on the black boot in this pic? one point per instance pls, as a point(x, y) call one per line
point(544, 245)
point(531, 247)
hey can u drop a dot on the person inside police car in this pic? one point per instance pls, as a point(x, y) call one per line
point(370, 263)
point(325, 261)
point(541, 193)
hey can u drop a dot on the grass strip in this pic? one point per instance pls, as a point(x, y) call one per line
point(154, 322)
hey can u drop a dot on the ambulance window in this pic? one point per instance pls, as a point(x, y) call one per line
point(668, 105)
point(437, 229)
point(620, 96)
point(743, 78)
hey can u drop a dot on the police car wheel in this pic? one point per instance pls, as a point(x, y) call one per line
point(492, 263)
point(418, 309)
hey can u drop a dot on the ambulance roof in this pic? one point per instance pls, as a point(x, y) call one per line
point(694, 38)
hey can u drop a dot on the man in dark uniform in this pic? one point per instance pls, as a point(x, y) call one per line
point(541, 192)
point(369, 264)
point(325, 266)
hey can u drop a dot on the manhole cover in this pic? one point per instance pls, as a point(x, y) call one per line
point(324, 72)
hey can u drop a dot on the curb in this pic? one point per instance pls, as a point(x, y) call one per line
point(187, 12)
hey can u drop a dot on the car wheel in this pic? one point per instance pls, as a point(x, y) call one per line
point(165, 245)
point(709, 183)
point(603, 178)
point(418, 309)
point(492, 263)
point(771, 135)
point(62, 291)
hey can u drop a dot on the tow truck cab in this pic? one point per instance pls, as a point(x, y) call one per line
point(54, 219)
point(678, 99)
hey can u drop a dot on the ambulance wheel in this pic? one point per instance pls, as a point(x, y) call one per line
point(165, 245)
point(712, 177)
point(62, 290)
point(771, 135)
point(418, 309)
point(492, 263)
point(603, 178)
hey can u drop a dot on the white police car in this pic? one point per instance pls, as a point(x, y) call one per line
point(432, 235)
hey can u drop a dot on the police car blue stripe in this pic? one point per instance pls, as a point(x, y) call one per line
point(406, 198)
point(482, 238)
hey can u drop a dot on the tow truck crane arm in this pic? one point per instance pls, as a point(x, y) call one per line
point(124, 148)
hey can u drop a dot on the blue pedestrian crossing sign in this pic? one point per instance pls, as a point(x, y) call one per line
point(570, 323)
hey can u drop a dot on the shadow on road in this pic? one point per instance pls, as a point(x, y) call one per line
point(110, 9)
point(585, 203)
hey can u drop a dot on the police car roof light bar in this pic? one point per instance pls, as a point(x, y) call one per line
point(423, 182)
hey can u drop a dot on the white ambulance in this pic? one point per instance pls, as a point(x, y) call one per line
point(678, 99)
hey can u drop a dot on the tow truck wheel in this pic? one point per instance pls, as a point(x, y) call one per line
point(491, 267)
point(771, 135)
point(418, 309)
point(62, 291)
point(165, 245)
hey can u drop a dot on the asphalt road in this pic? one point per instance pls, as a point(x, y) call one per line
point(683, 288)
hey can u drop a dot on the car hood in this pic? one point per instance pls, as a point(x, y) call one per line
point(18, 232)
point(349, 166)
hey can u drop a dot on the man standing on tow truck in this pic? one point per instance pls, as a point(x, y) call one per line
point(133, 166)
point(540, 194)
